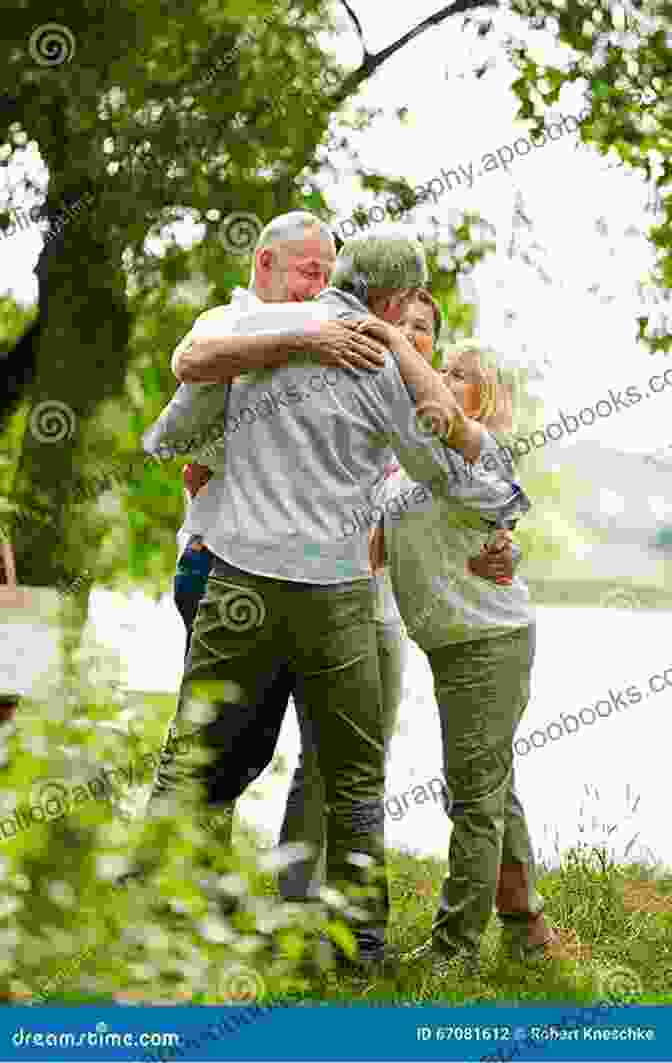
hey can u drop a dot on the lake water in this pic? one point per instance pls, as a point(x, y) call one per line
point(578, 787)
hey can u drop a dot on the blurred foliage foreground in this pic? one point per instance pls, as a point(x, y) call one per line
point(207, 927)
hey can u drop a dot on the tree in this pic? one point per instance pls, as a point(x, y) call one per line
point(141, 145)
point(131, 148)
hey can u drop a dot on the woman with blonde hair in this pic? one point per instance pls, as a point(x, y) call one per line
point(479, 640)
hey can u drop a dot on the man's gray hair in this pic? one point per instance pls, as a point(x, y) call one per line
point(288, 227)
point(390, 262)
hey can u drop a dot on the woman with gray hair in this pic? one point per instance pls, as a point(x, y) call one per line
point(304, 819)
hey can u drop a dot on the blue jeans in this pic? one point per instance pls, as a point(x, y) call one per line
point(191, 577)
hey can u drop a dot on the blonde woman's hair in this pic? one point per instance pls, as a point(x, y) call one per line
point(499, 385)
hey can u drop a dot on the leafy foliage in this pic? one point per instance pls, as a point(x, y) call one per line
point(75, 779)
point(622, 56)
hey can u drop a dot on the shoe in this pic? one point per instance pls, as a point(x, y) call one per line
point(527, 938)
point(525, 934)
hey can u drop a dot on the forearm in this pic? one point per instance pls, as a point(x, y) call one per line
point(218, 360)
point(431, 395)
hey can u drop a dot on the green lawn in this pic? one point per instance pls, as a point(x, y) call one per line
point(609, 918)
point(615, 923)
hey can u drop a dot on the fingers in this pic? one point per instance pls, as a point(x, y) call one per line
point(368, 347)
point(371, 325)
point(495, 571)
point(363, 353)
point(364, 324)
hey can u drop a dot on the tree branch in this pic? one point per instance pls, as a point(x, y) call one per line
point(370, 63)
point(358, 25)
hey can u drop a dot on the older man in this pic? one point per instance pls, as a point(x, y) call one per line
point(293, 260)
point(288, 589)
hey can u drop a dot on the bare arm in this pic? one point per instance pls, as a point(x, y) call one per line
point(212, 361)
point(218, 359)
point(434, 400)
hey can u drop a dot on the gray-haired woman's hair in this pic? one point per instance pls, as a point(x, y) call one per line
point(387, 263)
point(288, 227)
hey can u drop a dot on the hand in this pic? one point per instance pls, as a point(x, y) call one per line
point(341, 343)
point(195, 477)
point(495, 561)
point(379, 329)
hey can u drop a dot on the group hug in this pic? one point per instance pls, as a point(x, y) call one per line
point(316, 392)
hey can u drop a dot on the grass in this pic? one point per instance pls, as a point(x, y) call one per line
point(615, 925)
point(609, 917)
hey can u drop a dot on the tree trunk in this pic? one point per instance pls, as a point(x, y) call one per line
point(80, 347)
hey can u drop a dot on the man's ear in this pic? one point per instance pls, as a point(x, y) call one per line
point(264, 259)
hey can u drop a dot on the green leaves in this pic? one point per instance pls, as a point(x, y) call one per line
point(342, 937)
point(626, 62)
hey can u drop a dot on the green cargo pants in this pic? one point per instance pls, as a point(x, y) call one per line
point(304, 819)
point(248, 630)
point(482, 689)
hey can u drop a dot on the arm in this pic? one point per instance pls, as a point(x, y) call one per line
point(497, 561)
point(194, 416)
point(280, 334)
point(487, 487)
point(436, 406)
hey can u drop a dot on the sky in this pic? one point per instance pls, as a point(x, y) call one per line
point(585, 343)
